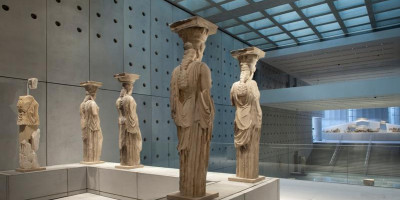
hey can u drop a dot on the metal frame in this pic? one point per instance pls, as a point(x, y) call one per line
point(261, 7)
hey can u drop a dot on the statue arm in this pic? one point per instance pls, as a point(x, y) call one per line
point(232, 95)
point(205, 78)
point(256, 93)
point(94, 108)
point(174, 94)
point(131, 116)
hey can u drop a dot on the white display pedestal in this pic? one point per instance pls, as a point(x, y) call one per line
point(106, 180)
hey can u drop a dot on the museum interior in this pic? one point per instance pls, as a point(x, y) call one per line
point(200, 99)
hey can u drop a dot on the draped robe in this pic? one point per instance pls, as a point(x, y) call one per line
point(91, 131)
point(130, 138)
point(192, 109)
point(247, 129)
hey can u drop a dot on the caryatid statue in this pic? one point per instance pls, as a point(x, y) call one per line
point(29, 132)
point(90, 124)
point(245, 96)
point(130, 138)
point(192, 108)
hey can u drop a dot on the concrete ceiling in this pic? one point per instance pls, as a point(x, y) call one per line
point(370, 93)
point(337, 104)
point(372, 59)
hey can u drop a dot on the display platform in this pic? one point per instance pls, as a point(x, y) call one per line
point(131, 184)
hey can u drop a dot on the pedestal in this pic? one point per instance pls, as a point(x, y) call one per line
point(91, 163)
point(129, 184)
point(178, 196)
point(247, 180)
point(30, 170)
point(128, 166)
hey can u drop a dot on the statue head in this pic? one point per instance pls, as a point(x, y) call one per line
point(28, 111)
point(194, 30)
point(91, 88)
point(127, 81)
point(248, 58)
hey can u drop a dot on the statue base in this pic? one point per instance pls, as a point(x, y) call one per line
point(178, 196)
point(129, 166)
point(30, 170)
point(247, 180)
point(91, 163)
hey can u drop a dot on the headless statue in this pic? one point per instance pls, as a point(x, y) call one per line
point(29, 132)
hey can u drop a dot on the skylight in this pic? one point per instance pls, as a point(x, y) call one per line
point(303, 21)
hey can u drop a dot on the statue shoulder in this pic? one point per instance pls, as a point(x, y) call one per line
point(253, 83)
point(91, 103)
point(235, 84)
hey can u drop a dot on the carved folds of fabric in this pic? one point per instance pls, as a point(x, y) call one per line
point(192, 104)
point(90, 114)
point(248, 111)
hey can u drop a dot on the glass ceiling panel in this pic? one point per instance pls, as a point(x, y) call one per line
point(251, 16)
point(388, 23)
point(308, 38)
point(266, 46)
point(194, 5)
point(248, 36)
point(303, 32)
point(355, 12)
point(356, 21)
point(295, 25)
point(234, 4)
point(286, 42)
point(385, 5)
point(279, 37)
point(279, 9)
point(316, 10)
point(332, 33)
point(343, 4)
point(209, 12)
point(257, 41)
point(328, 27)
point(229, 22)
point(302, 3)
point(237, 29)
point(218, 1)
point(261, 23)
point(323, 19)
point(271, 31)
point(287, 17)
point(387, 15)
point(360, 28)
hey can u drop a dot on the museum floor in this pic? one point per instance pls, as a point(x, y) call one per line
point(307, 190)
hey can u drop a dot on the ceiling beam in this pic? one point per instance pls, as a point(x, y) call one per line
point(193, 14)
point(244, 10)
point(317, 47)
point(306, 20)
point(245, 24)
point(338, 18)
point(371, 14)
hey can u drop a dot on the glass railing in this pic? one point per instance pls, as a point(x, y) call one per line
point(336, 163)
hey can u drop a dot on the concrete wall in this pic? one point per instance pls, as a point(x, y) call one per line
point(64, 43)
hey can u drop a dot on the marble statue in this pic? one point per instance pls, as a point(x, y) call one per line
point(29, 132)
point(245, 96)
point(192, 108)
point(90, 124)
point(130, 138)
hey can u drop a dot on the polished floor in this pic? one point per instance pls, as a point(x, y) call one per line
point(308, 190)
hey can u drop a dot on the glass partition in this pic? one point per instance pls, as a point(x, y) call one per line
point(335, 163)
